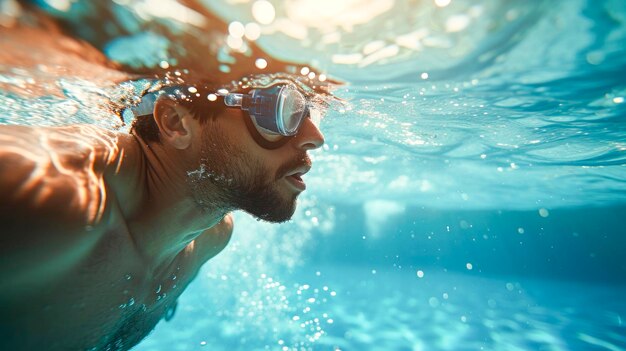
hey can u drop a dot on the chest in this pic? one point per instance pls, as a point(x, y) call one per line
point(111, 300)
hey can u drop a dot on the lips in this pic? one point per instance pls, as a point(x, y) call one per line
point(294, 177)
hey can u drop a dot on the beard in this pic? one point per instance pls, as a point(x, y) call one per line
point(229, 178)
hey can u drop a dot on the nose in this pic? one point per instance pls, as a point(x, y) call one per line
point(309, 137)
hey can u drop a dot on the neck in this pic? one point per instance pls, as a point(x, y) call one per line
point(160, 211)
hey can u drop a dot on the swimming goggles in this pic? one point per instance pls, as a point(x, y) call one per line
point(277, 110)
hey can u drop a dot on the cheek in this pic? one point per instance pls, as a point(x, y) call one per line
point(229, 137)
point(262, 164)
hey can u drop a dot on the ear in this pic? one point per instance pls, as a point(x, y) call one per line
point(174, 122)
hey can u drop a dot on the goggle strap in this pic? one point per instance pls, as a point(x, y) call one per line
point(233, 100)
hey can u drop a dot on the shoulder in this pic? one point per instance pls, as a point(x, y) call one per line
point(225, 226)
point(27, 169)
point(213, 240)
point(51, 188)
point(219, 235)
point(50, 168)
point(53, 200)
point(16, 165)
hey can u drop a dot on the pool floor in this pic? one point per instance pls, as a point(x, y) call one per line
point(357, 308)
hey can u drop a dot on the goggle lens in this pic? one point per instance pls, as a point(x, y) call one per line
point(291, 111)
point(277, 110)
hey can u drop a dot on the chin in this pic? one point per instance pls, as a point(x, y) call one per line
point(267, 202)
point(275, 214)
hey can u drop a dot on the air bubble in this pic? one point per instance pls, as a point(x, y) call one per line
point(263, 11)
point(252, 31)
point(260, 63)
point(236, 29)
point(433, 302)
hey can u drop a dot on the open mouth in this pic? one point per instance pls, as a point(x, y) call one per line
point(296, 181)
point(295, 178)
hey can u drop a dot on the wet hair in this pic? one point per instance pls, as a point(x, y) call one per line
point(200, 107)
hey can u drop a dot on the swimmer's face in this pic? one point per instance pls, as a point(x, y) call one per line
point(262, 182)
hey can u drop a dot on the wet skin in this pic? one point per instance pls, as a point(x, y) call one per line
point(101, 231)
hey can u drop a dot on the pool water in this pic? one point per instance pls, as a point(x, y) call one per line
point(427, 280)
point(392, 310)
point(470, 194)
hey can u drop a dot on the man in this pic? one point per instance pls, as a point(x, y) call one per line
point(102, 231)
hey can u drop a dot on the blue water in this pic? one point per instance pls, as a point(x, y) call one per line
point(470, 195)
